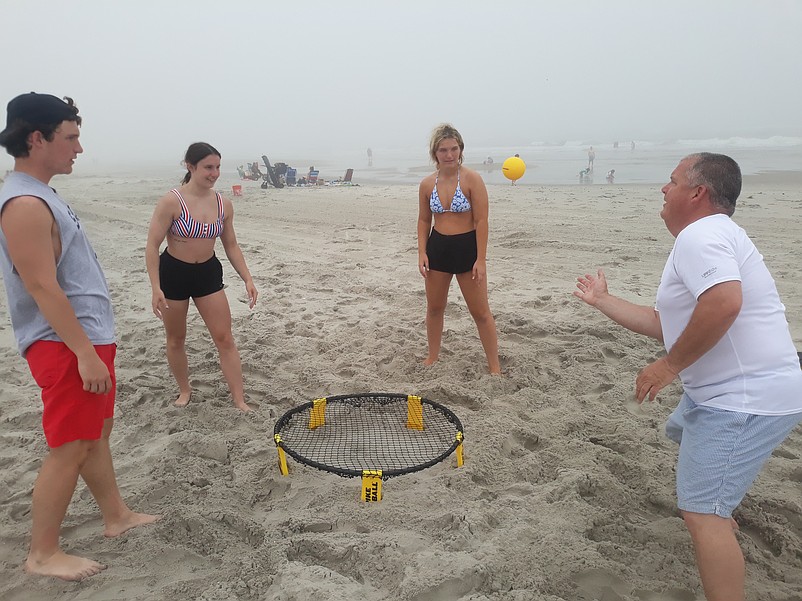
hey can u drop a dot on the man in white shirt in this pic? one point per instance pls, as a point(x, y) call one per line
point(726, 336)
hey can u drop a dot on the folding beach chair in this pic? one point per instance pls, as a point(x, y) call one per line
point(271, 177)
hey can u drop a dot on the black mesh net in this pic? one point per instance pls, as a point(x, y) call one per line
point(369, 432)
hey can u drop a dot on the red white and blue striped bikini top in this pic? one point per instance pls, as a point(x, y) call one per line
point(186, 227)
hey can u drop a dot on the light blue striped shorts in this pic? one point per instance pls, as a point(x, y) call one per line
point(721, 453)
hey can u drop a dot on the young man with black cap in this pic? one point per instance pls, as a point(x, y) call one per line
point(64, 327)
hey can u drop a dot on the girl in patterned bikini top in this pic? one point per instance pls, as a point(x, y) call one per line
point(452, 242)
point(459, 203)
point(186, 227)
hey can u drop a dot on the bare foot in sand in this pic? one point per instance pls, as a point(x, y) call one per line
point(61, 565)
point(429, 361)
point(127, 522)
point(242, 406)
point(183, 399)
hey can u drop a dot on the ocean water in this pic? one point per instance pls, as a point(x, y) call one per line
point(649, 162)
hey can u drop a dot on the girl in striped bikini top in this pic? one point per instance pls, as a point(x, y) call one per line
point(186, 227)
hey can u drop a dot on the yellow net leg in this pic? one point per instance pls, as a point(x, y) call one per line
point(414, 413)
point(371, 485)
point(282, 462)
point(460, 459)
point(317, 416)
point(282, 456)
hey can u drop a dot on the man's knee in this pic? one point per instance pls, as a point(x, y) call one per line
point(75, 452)
point(699, 522)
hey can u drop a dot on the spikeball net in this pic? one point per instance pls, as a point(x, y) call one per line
point(374, 436)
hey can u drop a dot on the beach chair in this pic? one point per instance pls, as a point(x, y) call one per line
point(349, 173)
point(311, 179)
point(292, 176)
point(271, 177)
point(280, 169)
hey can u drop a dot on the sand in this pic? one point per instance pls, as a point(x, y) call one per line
point(567, 492)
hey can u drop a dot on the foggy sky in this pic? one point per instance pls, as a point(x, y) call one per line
point(325, 76)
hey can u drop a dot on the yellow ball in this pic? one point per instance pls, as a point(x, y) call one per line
point(513, 168)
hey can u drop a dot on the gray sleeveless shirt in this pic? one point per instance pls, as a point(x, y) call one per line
point(77, 270)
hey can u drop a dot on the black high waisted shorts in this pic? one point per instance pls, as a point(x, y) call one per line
point(180, 280)
point(451, 254)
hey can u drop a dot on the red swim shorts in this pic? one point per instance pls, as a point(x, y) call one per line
point(70, 412)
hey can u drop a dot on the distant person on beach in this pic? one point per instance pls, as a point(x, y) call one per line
point(586, 176)
point(370, 158)
point(632, 147)
point(192, 217)
point(727, 339)
point(63, 323)
point(591, 158)
point(611, 176)
point(455, 197)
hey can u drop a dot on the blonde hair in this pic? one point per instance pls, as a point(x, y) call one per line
point(445, 131)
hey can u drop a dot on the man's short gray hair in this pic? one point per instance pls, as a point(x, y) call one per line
point(720, 174)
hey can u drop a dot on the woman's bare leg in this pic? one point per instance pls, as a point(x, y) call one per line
point(475, 295)
point(175, 326)
point(437, 284)
point(216, 313)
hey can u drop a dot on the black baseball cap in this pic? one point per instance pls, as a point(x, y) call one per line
point(37, 109)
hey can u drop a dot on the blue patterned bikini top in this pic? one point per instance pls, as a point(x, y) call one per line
point(459, 204)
